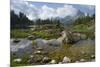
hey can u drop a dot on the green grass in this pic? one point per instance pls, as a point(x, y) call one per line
point(73, 52)
point(19, 33)
point(85, 30)
point(45, 35)
point(23, 33)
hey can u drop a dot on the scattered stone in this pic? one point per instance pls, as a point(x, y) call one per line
point(31, 56)
point(30, 37)
point(66, 60)
point(46, 59)
point(38, 52)
point(17, 60)
point(82, 60)
point(53, 62)
point(92, 56)
point(16, 40)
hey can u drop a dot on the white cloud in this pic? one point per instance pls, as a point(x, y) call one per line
point(47, 12)
point(24, 7)
point(44, 12)
point(67, 10)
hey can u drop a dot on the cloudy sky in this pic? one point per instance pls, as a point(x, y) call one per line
point(43, 10)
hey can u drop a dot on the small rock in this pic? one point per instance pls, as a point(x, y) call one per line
point(92, 56)
point(66, 60)
point(53, 62)
point(82, 60)
point(30, 37)
point(16, 40)
point(17, 60)
point(46, 59)
point(38, 52)
point(31, 56)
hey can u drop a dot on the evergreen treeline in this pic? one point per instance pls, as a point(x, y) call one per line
point(21, 21)
point(84, 20)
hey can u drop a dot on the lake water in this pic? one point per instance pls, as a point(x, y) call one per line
point(25, 46)
point(22, 47)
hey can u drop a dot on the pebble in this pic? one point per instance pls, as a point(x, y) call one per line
point(17, 60)
point(46, 59)
point(37, 52)
point(53, 62)
point(82, 60)
point(66, 60)
point(92, 56)
point(31, 56)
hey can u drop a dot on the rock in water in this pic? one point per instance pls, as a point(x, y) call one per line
point(53, 62)
point(66, 60)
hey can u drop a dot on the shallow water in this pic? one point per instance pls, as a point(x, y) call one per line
point(25, 46)
point(83, 42)
point(22, 47)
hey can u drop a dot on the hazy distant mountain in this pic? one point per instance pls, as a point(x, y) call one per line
point(69, 19)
